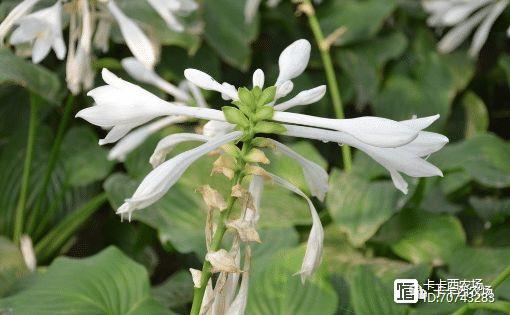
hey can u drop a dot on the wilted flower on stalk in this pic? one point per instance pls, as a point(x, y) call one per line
point(237, 131)
point(464, 16)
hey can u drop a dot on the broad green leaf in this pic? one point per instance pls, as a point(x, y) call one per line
point(176, 291)
point(491, 208)
point(107, 283)
point(504, 63)
point(35, 78)
point(359, 207)
point(421, 237)
point(228, 33)
point(274, 289)
point(485, 157)
point(435, 199)
point(84, 160)
point(370, 296)
point(481, 263)
point(12, 265)
point(363, 63)
point(154, 26)
point(362, 19)
point(477, 117)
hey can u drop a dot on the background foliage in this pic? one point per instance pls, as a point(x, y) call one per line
point(456, 226)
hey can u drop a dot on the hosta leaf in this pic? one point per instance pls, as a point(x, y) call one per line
point(369, 295)
point(363, 63)
point(33, 77)
point(481, 263)
point(274, 289)
point(485, 157)
point(477, 117)
point(362, 19)
point(176, 291)
point(490, 208)
point(228, 33)
point(359, 207)
point(108, 282)
point(420, 237)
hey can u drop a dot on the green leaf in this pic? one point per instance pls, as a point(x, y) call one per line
point(490, 208)
point(176, 291)
point(33, 77)
point(274, 289)
point(359, 207)
point(264, 113)
point(477, 117)
point(228, 33)
point(481, 263)
point(421, 237)
point(362, 19)
point(370, 296)
point(235, 116)
point(485, 157)
point(12, 265)
point(267, 96)
point(108, 282)
point(363, 63)
point(84, 160)
point(504, 63)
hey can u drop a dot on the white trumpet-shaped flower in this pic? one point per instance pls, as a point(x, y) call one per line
point(464, 16)
point(135, 39)
point(43, 29)
point(163, 177)
point(407, 159)
point(293, 60)
point(313, 254)
point(316, 177)
point(166, 145)
point(303, 98)
point(170, 10)
point(17, 13)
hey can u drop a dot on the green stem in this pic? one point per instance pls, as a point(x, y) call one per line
point(494, 306)
point(330, 75)
point(20, 208)
point(198, 293)
point(53, 158)
point(57, 237)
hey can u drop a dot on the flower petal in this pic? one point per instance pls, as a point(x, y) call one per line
point(313, 254)
point(19, 11)
point(216, 128)
point(303, 98)
point(162, 7)
point(238, 306)
point(206, 82)
point(258, 78)
point(166, 145)
point(316, 177)
point(481, 34)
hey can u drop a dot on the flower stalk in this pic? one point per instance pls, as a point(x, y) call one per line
point(20, 208)
point(324, 48)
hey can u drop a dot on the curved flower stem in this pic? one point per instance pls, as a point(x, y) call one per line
point(198, 293)
point(493, 306)
point(324, 48)
point(20, 208)
point(55, 151)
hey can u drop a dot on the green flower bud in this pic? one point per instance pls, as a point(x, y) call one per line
point(235, 116)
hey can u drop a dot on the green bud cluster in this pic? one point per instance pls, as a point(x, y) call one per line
point(251, 112)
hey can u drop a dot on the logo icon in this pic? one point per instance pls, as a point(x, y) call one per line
point(406, 291)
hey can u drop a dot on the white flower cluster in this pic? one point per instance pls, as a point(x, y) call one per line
point(464, 16)
point(399, 146)
point(41, 31)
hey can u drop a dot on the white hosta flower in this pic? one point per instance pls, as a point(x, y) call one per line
point(206, 82)
point(166, 145)
point(102, 36)
point(407, 159)
point(293, 60)
point(135, 138)
point(18, 12)
point(170, 10)
point(256, 187)
point(215, 128)
point(252, 7)
point(313, 254)
point(163, 177)
point(258, 78)
point(135, 39)
point(303, 98)
point(464, 17)
point(122, 103)
point(79, 71)
point(140, 72)
point(44, 30)
point(316, 177)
